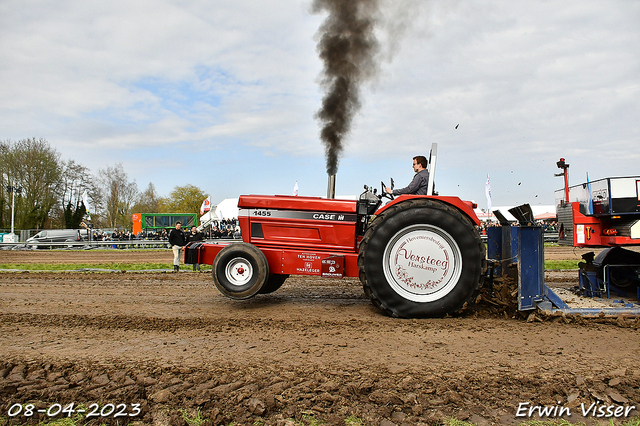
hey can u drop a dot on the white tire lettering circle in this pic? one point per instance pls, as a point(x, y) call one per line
point(422, 263)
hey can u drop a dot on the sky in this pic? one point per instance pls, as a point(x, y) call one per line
point(223, 95)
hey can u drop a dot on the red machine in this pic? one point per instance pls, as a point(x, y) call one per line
point(601, 213)
point(417, 256)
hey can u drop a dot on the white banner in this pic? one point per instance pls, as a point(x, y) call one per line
point(487, 191)
point(85, 201)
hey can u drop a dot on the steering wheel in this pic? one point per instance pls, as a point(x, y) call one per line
point(385, 193)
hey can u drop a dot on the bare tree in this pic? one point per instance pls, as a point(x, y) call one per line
point(118, 196)
point(75, 180)
point(148, 202)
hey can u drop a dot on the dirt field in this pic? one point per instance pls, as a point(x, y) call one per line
point(171, 346)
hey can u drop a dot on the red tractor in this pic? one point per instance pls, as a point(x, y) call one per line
point(416, 256)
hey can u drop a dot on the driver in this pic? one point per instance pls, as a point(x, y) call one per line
point(420, 182)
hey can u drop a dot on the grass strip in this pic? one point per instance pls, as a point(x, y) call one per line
point(79, 266)
point(561, 264)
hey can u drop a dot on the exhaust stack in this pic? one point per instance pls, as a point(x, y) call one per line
point(331, 188)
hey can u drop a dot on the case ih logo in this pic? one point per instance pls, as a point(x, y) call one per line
point(304, 215)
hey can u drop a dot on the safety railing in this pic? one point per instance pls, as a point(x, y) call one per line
point(88, 245)
point(548, 237)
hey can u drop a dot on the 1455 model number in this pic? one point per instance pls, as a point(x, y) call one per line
point(94, 410)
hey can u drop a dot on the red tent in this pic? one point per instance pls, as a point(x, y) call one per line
point(545, 216)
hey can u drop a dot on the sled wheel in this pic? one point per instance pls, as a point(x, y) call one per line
point(421, 258)
point(274, 282)
point(623, 277)
point(240, 270)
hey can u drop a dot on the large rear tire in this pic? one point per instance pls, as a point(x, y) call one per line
point(421, 258)
point(240, 270)
point(274, 282)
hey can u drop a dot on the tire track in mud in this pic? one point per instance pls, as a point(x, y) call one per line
point(144, 323)
point(129, 323)
point(171, 343)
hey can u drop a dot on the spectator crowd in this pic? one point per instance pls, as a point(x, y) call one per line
point(547, 225)
point(226, 229)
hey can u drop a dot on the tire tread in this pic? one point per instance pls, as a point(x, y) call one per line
point(387, 217)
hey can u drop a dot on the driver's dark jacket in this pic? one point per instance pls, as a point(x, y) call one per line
point(418, 185)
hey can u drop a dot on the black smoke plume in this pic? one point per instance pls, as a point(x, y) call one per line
point(347, 45)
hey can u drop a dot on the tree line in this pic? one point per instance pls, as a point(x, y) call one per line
point(49, 191)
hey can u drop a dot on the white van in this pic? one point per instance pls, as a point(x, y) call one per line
point(44, 237)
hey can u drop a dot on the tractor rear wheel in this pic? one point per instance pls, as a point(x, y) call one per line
point(274, 282)
point(240, 270)
point(421, 258)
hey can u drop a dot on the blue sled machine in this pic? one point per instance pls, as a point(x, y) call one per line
point(603, 214)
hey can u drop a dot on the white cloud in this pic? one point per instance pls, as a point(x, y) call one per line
point(526, 82)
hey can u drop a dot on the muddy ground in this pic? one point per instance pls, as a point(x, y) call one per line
point(171, 346)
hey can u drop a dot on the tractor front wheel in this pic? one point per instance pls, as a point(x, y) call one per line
point(240, 270)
